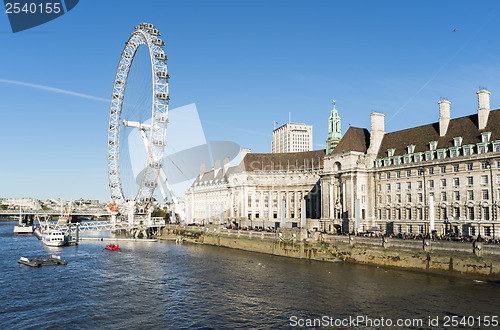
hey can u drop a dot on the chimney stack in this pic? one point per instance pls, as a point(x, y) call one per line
point(225, 165)
point(444, 116)
point(217, 168)
point(244, 152)
point(483, 100)
point(202, 169)
point(376, 133)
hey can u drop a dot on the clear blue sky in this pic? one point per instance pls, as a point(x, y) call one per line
point(245, 64)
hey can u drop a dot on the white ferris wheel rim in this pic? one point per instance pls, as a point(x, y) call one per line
point(145, 34)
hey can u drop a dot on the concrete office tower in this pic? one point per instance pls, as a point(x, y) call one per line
point(292, 137)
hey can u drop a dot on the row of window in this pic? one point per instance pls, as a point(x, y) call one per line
point(443, 183)
point(442, 169)
point(418, 213)
point(455, 151)
point(485, 195)
point(471, 230)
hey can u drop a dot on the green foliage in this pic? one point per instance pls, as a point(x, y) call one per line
point(3, 207)
point(159, 213)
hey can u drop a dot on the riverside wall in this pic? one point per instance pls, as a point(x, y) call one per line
point(454, 258)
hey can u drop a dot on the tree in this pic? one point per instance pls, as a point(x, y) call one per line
point(158, 213)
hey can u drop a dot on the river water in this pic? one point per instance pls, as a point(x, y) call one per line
point(164, 285)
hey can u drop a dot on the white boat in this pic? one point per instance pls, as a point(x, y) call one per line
point(22, 227)
point(54, 237)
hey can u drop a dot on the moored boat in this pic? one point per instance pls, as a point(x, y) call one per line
point(37, 262)
point(23, 230)
point(25, 226)
point(54, 237)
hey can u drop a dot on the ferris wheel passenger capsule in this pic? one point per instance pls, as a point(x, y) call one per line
point(159, 143)
point(158, 42)
point(163, 75)
point(150, 184)
point(161, 57)
point(155, 165)
point(163, 96)
point(154, 32)
point(162, 119)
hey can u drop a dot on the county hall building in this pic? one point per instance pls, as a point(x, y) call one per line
point(391, 180)
point(396, 181)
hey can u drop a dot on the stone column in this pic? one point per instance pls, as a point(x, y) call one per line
point(309, 206)
point(279, 205)
point(270, 208)
point(296, 205)
point(325, 199)
point(254, 197)
point(331, 207)
point(289, 204)
point(318, 204)
point(261, 205)
point(245, 203)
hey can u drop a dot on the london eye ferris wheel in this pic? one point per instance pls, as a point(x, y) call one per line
point(138, 120)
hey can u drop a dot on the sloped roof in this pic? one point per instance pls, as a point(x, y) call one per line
point(210, 175)
point(420, 136)
point(282, 161)
point(269, 162)
point(355, 139)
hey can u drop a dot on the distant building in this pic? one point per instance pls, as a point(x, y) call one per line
point(334, 130)
point(24, 203)
point(292, 137)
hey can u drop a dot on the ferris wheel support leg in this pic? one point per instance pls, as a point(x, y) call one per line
point(131, 218)
point(162, 190)
point(113, 220)
point(164, 183)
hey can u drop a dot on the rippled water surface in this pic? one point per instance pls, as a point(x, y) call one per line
point(163, 285)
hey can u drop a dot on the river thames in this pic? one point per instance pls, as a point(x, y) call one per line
point(164, 285)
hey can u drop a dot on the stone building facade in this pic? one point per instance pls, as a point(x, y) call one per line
point(448, 171)
point(443, 176)
point(260, 191)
